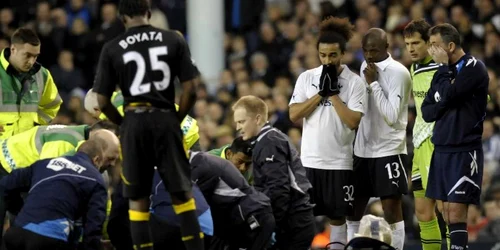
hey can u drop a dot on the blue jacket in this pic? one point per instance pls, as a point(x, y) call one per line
point(61, 190)
point(456, 101)
point(161, 205)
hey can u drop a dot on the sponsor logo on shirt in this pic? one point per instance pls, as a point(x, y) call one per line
point(325, 102)
point(420, 94)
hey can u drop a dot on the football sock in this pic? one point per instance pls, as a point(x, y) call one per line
point(338, 234)
point(352, 228)
point(398, 235)
point(458, 236)
point(139, 228)
point(430, 235)
point(448, 237)
point(190, 228)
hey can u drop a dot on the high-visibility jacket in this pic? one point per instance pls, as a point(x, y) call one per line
point(26, 99)
point(189, 125)
point(40, 142)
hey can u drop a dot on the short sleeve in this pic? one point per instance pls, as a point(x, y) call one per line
point(359, 96)
point(299, 92)
point(188, 70)
point(105, 79)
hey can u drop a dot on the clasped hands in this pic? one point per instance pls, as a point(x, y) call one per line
point(329, 81)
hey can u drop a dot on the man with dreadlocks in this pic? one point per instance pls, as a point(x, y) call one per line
point(331, 99)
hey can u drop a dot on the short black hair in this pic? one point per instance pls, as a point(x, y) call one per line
point(104, 124)
point(419, 26)
point(335, 30)
point(240, 145)
point(25, 35)
point(134, 8)
point(448, 33)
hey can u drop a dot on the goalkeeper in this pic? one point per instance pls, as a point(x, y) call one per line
point(422, 70)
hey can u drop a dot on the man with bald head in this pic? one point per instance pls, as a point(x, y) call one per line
point(380, 147)
point(61, 190)
point(111, 153)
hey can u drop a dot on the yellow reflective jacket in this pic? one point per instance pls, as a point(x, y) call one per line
point(40, 142)
point(189, 125)
point(23, 107)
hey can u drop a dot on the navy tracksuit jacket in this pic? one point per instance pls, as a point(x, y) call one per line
point(60, 191)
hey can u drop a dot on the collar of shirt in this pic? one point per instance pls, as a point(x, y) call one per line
point(426, 61)
point(139, 27)
point(263, 130)
point(343, 75)
point(192, 154)
point(84, 157)
point(383, 64)
point(459, 64)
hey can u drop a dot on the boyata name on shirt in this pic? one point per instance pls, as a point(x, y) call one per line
point(141, 37)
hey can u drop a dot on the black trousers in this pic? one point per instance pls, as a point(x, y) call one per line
point(169, 237)
point(244, 237)
point(17, 238)
point(296, 232)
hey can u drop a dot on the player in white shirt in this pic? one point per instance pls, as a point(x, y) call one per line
point(331, 99)
point(380, 147)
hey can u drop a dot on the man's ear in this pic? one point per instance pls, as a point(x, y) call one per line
point(451, 47)
point(96, 160)
point(258, 118)
point(229, 153)
point(149, 14)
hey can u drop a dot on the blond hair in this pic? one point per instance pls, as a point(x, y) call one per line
point(253, 105)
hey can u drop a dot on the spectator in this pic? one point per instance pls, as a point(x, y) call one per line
point(491, 145)
point(492, 210)
point(66, 75)
point(7, 22)
point(77, 9)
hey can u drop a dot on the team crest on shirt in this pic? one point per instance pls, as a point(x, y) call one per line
point(325, 102)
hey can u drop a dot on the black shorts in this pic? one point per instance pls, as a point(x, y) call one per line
point(332, 192)
point(380, 177)
point(456, 176)
point(152, 138)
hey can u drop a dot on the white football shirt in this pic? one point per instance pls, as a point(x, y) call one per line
point(382, 131)
point(327, 143)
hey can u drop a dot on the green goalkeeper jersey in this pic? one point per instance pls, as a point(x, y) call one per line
point(421, 74)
